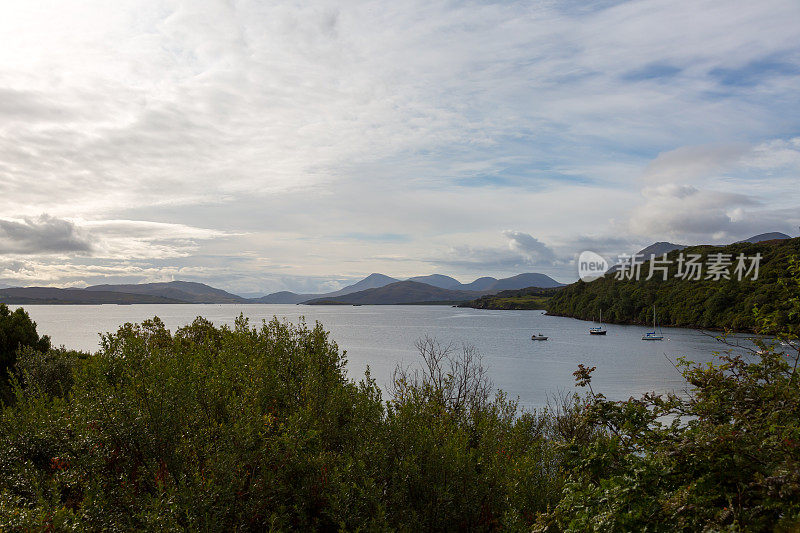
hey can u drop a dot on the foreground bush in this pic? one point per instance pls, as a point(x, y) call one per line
point(17, 331)
point(253, 429)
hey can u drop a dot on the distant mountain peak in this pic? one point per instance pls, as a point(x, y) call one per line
point(772, 236)
point(438, 280)
point(481, 284)
point(660, 248)
point(399, 292)
point(376, 276)
point(523, 281)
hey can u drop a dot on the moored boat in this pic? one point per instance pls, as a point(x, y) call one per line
point(653, 335)
point(598, 330)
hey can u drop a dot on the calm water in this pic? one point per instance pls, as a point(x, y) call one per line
point(382, 336)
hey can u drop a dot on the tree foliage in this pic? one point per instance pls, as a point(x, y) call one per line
point(255, 428)
point(529, 298)
point(17, 330)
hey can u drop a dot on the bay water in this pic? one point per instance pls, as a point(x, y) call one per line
point(383, 336)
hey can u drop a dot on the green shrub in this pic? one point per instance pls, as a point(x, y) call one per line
point(459, 460)
point(17, 330)
point(50, 372)
point(255, 428)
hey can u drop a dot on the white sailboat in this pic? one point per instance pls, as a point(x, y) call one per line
point(652, 335)
point(599, 330)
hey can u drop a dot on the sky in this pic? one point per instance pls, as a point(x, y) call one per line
point(261, 146)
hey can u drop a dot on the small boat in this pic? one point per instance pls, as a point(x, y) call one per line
point(538, 337)
point(599, 330)
point(652, 335)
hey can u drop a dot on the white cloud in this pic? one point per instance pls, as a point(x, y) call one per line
point(241, 136)
point(719, 193)
point(689, 163)
point(137, 239)
point(537, 252)
point(683, 211)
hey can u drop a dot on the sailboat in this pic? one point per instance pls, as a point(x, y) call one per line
point(652, 335)
point(599, 330)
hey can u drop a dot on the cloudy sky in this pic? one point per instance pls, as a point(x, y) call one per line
point(260, 146)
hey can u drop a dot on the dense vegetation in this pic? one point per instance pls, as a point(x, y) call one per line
point(258, 428)
point(723, 304)
point(530, 298)
point(17, 331)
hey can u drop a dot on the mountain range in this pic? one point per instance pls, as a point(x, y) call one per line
point(374, 289)
point(484, 285)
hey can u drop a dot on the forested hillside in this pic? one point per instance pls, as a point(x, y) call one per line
point(703, 303)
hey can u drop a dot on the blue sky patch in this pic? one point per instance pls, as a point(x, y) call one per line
point(754, 73)
point(653, 71)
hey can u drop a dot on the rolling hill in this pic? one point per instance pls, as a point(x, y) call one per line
point(480, 284)
point(522, 281)
point(51, 295)
point(183, 291)
point(372, 281)
point(401, 292)
point(282, 297)
point(773, 236)
point(529, 298)
point(660, 248)
point(438, 280)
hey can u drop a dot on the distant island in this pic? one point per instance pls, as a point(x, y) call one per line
point(528, 298)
